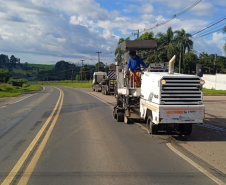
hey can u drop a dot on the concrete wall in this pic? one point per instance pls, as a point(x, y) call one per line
point(217, 81)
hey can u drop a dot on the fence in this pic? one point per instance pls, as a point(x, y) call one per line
point(217, 81)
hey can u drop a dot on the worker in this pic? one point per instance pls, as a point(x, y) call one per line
point(134, 64)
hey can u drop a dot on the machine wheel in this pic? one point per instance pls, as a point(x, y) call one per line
point(127, 120)
point(120, 117)
point(151, 127)
point(93, 89)
point(185, 129)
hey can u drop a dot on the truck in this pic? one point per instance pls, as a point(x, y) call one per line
point(105, 82)
point(164, 99)
point(97, 78)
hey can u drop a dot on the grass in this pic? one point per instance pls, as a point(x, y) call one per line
point(213, 92)
point(73, 85)
point(42, 66)
point(7, 90)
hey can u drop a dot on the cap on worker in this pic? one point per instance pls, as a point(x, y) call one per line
point(133, 53)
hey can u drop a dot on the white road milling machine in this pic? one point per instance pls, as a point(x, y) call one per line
point(164, 98)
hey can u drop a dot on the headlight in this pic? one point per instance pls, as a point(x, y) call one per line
point(163, 82)
point(202, 82)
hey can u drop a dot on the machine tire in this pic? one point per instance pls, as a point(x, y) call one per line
point(185, 129)
point(120, 117)
point(151, 127)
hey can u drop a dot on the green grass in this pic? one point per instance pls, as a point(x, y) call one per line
point(213, 92)
point(73, 85)
point(7, 90)
point(42, 66)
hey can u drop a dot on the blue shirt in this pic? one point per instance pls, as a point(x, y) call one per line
point(134, 64)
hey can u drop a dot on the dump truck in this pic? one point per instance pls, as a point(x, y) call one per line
point(164, 99)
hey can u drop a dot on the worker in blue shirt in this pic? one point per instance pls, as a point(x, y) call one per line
point(134, 64)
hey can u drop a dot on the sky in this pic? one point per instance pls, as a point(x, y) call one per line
point(47, 31)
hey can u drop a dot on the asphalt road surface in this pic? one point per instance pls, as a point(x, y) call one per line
point(69, 137)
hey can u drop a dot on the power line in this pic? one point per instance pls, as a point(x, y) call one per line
point(216, 22)
point(181, 12)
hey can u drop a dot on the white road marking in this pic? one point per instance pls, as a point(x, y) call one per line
point(201, 169)
point(198, 167)
point(2, 107)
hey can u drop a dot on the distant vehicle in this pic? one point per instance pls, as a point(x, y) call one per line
point(107, 84)
point(97, 78)
point(164, 98)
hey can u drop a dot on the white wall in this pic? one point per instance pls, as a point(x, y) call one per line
point(217, 81)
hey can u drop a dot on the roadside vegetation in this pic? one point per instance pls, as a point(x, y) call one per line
point(214, 92)
point(7, 90)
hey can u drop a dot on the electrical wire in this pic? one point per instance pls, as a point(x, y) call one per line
point(181, 12)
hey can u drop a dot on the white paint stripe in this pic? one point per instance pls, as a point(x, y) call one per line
point(141, 126)
point(2, 107)
point(198, 167)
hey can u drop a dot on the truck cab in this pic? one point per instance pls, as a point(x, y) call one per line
point(97, 78)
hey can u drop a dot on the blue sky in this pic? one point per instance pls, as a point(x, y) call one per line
point(46, 31)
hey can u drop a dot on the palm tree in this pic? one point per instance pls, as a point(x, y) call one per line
point(224, 31)
point(167, 40)
point(118, 51)
point(183, 41)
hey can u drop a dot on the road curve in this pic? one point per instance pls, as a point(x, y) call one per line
point(87, 146)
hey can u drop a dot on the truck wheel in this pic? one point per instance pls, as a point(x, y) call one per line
point(120, 117)
point(185, 129)
point(151, 127)
point(93, 89)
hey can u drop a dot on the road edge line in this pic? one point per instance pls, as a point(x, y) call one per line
point(194, 164)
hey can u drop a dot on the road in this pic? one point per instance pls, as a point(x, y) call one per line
point(69, 137)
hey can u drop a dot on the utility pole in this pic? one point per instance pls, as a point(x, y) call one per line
point(98, 52)
point(82, 68)
point(137, 34)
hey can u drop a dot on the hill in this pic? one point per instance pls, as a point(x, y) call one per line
point(42, 66)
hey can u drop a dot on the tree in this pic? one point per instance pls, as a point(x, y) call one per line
point(224, 31)
point(190, 61)
point(147, 36)
point(165, 42)
point(207, 63)
point(78, 77)
point(4, 76)
point(100, 66)
point(118, 51)
point(184, 43)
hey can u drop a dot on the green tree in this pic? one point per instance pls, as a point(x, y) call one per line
point(224, 31)
point(4, 76)
point(100, 67)
point(190, 61)
point(184, 43)
point(165, 43)
point(118, 51)
point(147, 36)
point(207, 63)
point(78, 77)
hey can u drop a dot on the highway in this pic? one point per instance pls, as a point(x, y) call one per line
point(65, 136)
